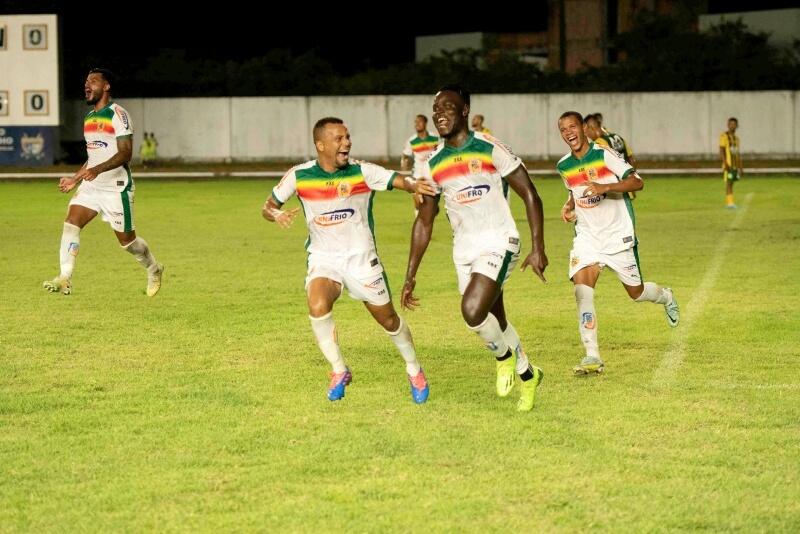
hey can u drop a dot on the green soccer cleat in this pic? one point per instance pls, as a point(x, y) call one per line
point(154, 280)
point(528, 387)
point(58, 285)
point(506, 375)
point(589, 365)
point(672, 309)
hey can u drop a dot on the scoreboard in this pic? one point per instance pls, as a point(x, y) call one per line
point(29, 89)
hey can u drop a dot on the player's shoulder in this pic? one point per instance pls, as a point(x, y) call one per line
point(494, 143)
point(307, 166)
point(436, 152)
point(607, 151)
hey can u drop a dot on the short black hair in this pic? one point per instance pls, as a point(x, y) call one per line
point(592, 117)
point(322, 123)
point(575, 114)
point(423, 117)
point(734, 119)
point(108, 76)
point(458, 89)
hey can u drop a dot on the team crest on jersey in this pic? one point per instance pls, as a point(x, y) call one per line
point(574, 261)
point(475, 166)
point(334, 217)
point(471, 194)
point(344, 189)
point(591, 173)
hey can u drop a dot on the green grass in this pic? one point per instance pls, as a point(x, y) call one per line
point(204, 408)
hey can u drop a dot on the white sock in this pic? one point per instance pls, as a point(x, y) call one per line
point(405, 344)
point(587, 319)
point(138, 247)
point(70, 245)
point(514, 343)
point(492, 335)
point(653, 293)
point(325, 332)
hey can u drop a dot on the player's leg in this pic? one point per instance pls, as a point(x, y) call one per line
point(729, 179)
point(78, 216)
point(626, 265)
point(585, 280)
point(322, 293)
point(118, 212)
point(509, 367)
point(400, 334)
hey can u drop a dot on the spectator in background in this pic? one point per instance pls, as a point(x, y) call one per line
point(477, 125)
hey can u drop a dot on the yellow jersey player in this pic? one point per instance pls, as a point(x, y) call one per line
point(729, 151)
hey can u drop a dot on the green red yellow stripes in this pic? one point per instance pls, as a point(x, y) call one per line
point(329, 188)
point(98, 124)
point(462, 164)
point(586, 171)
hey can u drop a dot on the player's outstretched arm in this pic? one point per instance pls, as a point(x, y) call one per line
point(273, 213)
point(420, 237)
point(521, 183)
point(415, 186)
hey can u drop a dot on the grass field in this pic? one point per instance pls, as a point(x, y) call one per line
point(204, 408)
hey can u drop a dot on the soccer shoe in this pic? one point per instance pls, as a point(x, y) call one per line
point(672, 309)
point(506, 375)
point(528, 387)
point(154, 280)
point(589, 365)
point(63, 285)
point(419, 387)
point(338, 383)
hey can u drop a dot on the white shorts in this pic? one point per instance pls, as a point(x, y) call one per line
point(624, 263)
point(362, 275)
point(496, 262)
point(116, 208)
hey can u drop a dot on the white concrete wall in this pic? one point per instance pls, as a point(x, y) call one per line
point(664, 125)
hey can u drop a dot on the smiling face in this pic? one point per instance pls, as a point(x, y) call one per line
point(450, 114)
point(571, 130)
point(333, 145)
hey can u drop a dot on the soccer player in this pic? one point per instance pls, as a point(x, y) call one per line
point(731, 160)
point(597, 179)
point(419, 146)
point(469, 169)
point(336, 196)
point(106, 185)
point(477, 124)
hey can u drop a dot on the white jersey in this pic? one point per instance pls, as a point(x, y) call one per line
point(420, 149)
point(337, 205)
point(605, 222)
point(101, 129)
point(471, 179)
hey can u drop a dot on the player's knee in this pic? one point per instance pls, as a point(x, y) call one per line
point(472, 313)
point(390, 323)
point(319, 307)
point(634, 292)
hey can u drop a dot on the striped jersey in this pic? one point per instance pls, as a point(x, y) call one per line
point(616, 142)
point(730, 143)
point(605, 222)
point(470, 178)
point(337, 205)
point(420, 148)
point(101, 129)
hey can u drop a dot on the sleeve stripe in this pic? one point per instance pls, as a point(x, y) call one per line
point(276, 199)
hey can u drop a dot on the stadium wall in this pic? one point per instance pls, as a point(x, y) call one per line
point(669, 125)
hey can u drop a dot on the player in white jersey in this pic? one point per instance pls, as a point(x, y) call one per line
point(597, 178)
point(469, 169)
point(417, 149)
point(336, 195)
point(106, 186)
